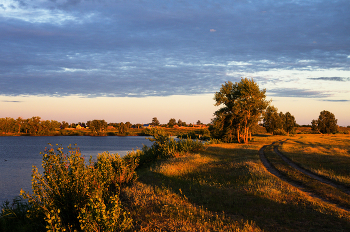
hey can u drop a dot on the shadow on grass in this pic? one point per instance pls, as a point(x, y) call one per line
point(224, 185)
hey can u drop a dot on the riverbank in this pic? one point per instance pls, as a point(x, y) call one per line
point(177, 131)
point(226, 187)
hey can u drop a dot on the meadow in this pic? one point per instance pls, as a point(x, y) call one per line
point(225, 187)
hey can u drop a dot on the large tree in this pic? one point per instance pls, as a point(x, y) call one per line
point(326, 123)
point(243, 103)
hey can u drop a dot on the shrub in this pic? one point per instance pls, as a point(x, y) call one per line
point(72, 195)
point(164, 147)
point(279, 132)
point(115, 171)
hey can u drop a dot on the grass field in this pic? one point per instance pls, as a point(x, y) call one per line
point(327, 155)
point(227, 188)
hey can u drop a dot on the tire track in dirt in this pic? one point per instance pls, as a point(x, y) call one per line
point(277, 173)
point(270, 168)
point(313, 175)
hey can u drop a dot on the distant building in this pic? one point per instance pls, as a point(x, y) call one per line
point(79, 127)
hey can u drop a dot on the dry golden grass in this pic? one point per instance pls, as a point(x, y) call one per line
point(327, 155)
point(324, 191)
point(225, 188)
point(181, 165)
point(159, 209)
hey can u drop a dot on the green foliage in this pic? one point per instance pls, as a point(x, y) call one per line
point(116, 171)
point(97, 125)
point(72, 195)
point(243, 104)
point(155, 121)
point(326, 123)
point(172, 122)
point(202, 134)
point(33, 126)
point(96, 216)
point(271, 119)
point(280, 132)
point(164, 147)
point(289, 123)
point(278, 123)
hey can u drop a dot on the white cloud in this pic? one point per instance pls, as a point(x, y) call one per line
point(79, 70)
point(34, 14)
point(239, 63)
point(306, 61)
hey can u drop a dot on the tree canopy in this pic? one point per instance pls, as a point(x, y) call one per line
point(326, 123)
point(278, 123)
point(172, 122)
point(155, 121)
point(243, 104)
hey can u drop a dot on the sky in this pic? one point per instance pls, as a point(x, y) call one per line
point(132, 60)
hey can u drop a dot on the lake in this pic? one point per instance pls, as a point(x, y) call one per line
point(19, 153)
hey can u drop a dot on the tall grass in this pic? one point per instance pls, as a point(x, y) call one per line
point(322, 190)
point(327, 155)
point(228, 180)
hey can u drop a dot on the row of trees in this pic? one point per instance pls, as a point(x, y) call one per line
point(172, 122)
point(36, 126)
point(32, 125)
point(278, 123)
point(244, 105)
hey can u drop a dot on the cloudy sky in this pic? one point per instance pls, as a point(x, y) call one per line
point(132, 60)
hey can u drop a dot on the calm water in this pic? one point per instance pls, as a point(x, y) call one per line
point(18, 154)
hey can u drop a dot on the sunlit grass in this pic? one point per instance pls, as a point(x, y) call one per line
point(226, 188)
point(181, 166)
point(327, 155)
point(160, 209)
point(323, 190)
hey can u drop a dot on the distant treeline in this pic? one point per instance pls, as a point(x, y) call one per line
point(33, 125)
point(37, 126)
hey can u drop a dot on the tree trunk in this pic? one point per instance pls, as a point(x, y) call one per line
point(238, 135)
